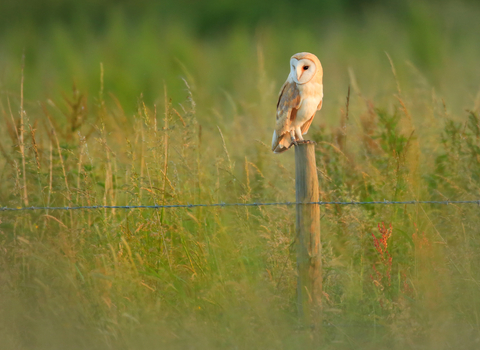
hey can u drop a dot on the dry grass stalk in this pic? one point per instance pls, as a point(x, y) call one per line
point(165, 145)
point(53, 132)
point(21, 140)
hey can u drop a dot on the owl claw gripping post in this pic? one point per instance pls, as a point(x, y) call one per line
point(300, 98)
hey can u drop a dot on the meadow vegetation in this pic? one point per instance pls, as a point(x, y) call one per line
point(142, 112)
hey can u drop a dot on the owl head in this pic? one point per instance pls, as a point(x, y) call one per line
point(304, 66)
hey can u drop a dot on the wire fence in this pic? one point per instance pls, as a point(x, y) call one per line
point(222, 205)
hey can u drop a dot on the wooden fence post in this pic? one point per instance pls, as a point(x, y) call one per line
point(309, 264)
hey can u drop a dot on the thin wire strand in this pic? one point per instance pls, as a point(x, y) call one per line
point(170, 206)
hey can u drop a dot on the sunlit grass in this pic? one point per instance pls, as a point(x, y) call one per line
point(396, 276)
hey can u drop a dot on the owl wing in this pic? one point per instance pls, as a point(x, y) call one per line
point(289, 101)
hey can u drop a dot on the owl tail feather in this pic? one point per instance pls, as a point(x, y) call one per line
point(280, 144)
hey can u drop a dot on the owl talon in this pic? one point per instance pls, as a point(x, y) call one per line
point(307, 141)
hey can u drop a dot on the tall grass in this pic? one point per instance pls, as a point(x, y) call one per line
point(396, 276)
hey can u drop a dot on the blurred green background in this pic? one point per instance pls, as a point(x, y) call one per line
point(215, 45)
point(97, 129)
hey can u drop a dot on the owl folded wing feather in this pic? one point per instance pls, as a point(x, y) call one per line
point(288, 103)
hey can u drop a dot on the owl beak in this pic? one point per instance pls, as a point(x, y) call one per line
point(300, 76)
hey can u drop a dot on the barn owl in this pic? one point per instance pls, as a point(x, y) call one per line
point(300, 98)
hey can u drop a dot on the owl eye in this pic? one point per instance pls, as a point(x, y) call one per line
point(306, 67)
